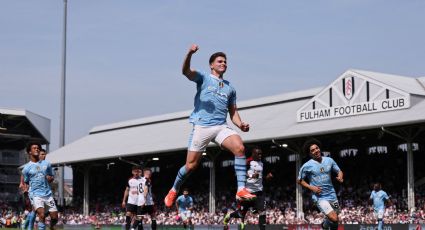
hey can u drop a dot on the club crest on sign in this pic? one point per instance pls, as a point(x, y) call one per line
point(348, 87)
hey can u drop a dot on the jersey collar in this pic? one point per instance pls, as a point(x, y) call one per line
point(215, 77)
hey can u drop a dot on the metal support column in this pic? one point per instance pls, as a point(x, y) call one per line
point(410, 178)
point(408, 137)
point(61, 178)
point(212, 187)
point(62, 110)
point(298, 189)
point(86, 191)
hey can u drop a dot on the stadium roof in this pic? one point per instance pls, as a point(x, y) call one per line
point(23, 124)
point(274, 117)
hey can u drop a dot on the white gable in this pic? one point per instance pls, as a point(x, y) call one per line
point(353, 94)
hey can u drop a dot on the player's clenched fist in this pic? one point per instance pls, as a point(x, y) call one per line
point(193, 48)
point(244, 127)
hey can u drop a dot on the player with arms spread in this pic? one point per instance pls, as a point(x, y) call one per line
point(214, 99)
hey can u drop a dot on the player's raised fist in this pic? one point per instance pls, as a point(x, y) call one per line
point(193, 48)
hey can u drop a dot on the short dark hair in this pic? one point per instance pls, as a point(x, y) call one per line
point(136, 167)
point(308, 143)
point(216, 55)
point(31, 144)
point(43, 150)
point(186, 189)
point(377, 184)
point(147, 169)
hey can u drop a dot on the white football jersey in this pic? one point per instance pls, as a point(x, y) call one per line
point(255, 184)
point(148, 200)
point(133, 192)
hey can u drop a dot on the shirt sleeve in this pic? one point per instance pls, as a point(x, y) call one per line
point(199, 77)
point(303, 173)
point(232, 98)
point(386, 197)
point(335, 167)
point(49, 170)
point(25, 174)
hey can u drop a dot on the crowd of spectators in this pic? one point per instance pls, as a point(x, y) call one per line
point(279, 193)
point(353, 211)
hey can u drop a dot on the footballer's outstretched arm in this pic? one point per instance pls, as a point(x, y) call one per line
point(186, 70)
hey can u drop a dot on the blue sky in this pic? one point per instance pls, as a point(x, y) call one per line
point(124, 57)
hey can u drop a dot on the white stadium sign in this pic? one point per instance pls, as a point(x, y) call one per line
point(353, 94)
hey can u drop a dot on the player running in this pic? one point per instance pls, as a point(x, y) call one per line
point(214, 99)
point(29, 214)
point(132, 193)
point(38, 174)
point(254, 184)
point(145, 204)
point(184, 204)
point(315, 175)
point(379, 199)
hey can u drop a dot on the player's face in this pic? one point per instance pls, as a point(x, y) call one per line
point(219, 65)
point(376, 187)
point(256, 154)
point(42, 155)
point(139, 172)
point(185, 193)
point(34, 150)
point(315, 151)
point(147, 174)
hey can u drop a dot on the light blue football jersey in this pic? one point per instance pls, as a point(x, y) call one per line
point(35, 175)
point(212, 100)
point(379, 199)
point(319, 174)
point(184, 202)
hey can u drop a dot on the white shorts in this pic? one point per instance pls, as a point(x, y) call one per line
point(40, 202)
point(379, 214)
point(184, 215)
point(201, 136)
point(327, 207)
